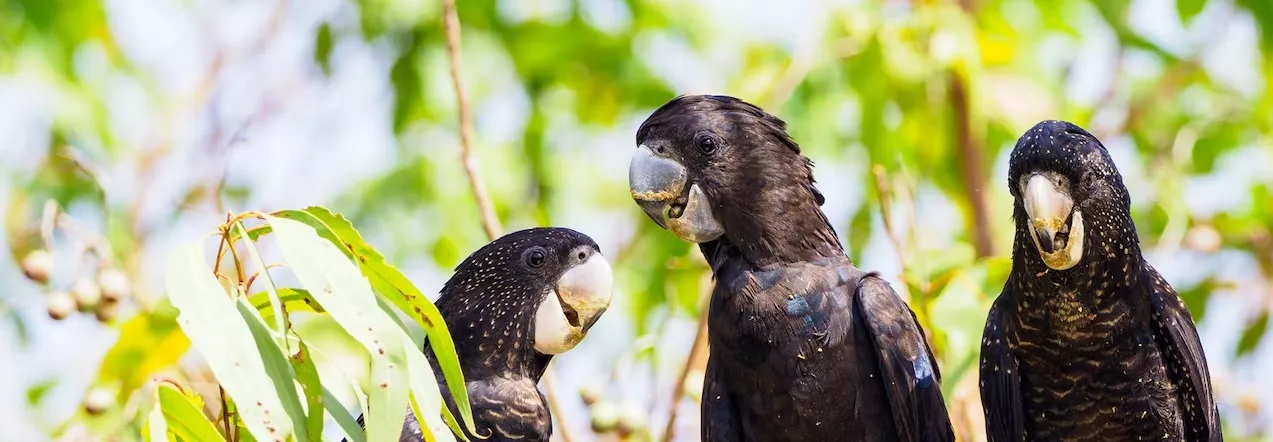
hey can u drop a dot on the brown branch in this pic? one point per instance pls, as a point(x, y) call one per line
point(555, 404)
point(696, 360)
point(490, 222)
point(972, 165)
point(451, 22)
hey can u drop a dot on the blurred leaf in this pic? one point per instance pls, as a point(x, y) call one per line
point(860, 230)
point(1188, 9)
point(1252, 334)
point(346, 295)
point(215, 327)
point(36, 392)
point(148, 342)
point(1262, 10)
point(323, 47)
point(182, 416)
point(394, 286)
point(1196, 297)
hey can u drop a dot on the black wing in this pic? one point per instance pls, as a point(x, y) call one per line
point(1000, 376)
point(720, 419)
point(1179, 341)
point(909, 371)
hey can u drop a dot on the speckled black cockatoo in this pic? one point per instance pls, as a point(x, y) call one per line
point(1087, 341)
point(511, 306)
point(804, 345)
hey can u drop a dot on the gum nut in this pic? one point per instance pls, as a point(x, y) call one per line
point(114, 284)
point(37, 265)
point(98, 401)
point(86, 295)
point(604, 416)
point(61, 304)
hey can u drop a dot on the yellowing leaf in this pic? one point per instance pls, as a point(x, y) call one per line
point(181, 417)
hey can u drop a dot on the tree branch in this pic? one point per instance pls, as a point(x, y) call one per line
point(696, 360)
point(490, 222)
point(972, 165)
point(451, 23)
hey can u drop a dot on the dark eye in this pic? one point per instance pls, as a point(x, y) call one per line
point(706, 143)
point(536, 257)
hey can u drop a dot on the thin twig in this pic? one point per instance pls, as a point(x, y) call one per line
point(451, 22)
point(698, 353)
point(225, 412)
point(490, 222)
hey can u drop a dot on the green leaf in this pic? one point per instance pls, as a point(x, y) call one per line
point(336, 284)
point(276, 366)
point(426, 399)
point(346, 421)
point(307, 376)
point(36, 393)
point(1254, 331)
point(294, 300)
point(281, 324)
point(182, 416)
point(395, 287)
point(1188, 9)
point(323, 48)
point(215, 327)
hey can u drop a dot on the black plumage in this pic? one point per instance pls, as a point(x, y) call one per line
point(490, 306)
point(1087, 341)
point(804, 345)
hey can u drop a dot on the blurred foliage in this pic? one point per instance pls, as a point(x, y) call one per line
point(910, 104)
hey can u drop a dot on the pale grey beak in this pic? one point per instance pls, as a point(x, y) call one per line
point(658, 185)
point(1055, 226)
point(575, 303)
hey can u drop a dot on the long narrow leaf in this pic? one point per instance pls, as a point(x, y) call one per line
point(277, 367)
point(213, 324)
point(294, 300)
point(280, 315)
point(182, 417)
point(346, 421)
point(337, 285)
point(426, 399)
point(307, 375)
point(394, 286)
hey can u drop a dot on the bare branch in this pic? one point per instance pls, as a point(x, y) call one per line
point(451, 22)
point(695, 362)
point(972, 165)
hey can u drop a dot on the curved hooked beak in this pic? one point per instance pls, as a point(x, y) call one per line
point(1056, 227)
point(576, 302)
point(658, 185)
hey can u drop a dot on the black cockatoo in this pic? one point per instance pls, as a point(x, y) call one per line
point(1087, 341)
point(803, 344)
point(511, 306)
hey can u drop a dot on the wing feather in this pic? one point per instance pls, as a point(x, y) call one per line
point(1000, 375)
point(1182, 348)
point(909, 370)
